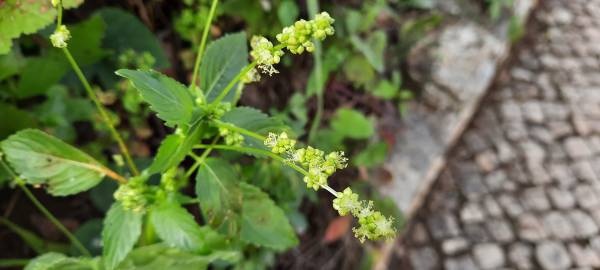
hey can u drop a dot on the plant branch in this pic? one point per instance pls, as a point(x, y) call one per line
point(270, 154)
point(200, 52)
point(21, 183)
point(232, 83)
point(239, 129)
point(200, 159)
point(313, 7)
point(103, 113)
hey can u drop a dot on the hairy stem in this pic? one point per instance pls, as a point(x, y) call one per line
point(200, 52)
point(232, 83)
point(21, 183)
point(59, 15)
point(270, 154)
point(200, 159)
point(313, 7)
point(240, 130)
point(102, 111)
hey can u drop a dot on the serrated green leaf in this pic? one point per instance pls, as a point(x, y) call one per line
point(42, 159)
point(162, 257)
point(223, 60)
point(25, 17)
point(263, 223)
point(352, 124)
point(177, 227)
point(288, 12)
point(373, 48)
point(125, 31)
point(254, 120)
point(175, 147)
point(373, 155)
point(11, 64)
point(122, 228)
point(90, 235)
point(57, 261)
point(358, 70)
point(218, 194)
point(42, 72)
point(169, 98)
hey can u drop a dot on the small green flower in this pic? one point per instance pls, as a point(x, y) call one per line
point(334, 161)
point(323, 26)
point(55, 3)
point(264, 54)
point(280, 144)
point(60, 37)
point(315, 179)
point(374, 226)
point(251, 76)
point(297, 38)
point(231, 137)
point(309, 157)
point(131, 196)
point(346, 202)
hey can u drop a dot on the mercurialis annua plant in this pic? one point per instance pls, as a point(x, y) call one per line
point(317, 169)
point(238, 214)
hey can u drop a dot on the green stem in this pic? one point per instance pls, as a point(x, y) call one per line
point(20, 182)
point(148, 234)
point(240, 130)
point(103, 113)
point(313, 7)
point(13, 262)
point(270, 154)
point(54, 221)
point(59, 15)
point(200, 52)
point(200, 159)
point(232, 83)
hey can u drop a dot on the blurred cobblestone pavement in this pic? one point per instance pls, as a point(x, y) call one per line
point(522, 188)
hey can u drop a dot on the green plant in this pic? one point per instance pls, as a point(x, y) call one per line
point(148, 224)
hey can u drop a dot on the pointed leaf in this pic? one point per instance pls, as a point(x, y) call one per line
point(256, 121)
point(352, 124)
point(122, 228)
point(175, 147)
point(42, 159)
point(223, 60)
point(263, 222)
point(170, 99)
point(125, 31)
point(218, 193)
point(57, 261)
point(160, 256)
point(177, 227)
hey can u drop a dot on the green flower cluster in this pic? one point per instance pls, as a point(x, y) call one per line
point(264, 54)
point(319, 165)
point(297, 38)
point(131, 195)
point(60, 37)
point(231, 137)
point(372, 224)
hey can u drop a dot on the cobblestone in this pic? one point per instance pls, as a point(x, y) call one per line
point(489, 256)
point(525, 174)
point(552, 255)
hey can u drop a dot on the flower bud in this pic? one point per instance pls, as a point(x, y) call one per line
point(60, 37)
